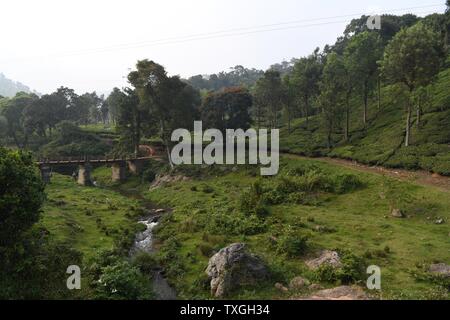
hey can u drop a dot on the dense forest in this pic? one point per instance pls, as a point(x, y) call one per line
point(378, 97)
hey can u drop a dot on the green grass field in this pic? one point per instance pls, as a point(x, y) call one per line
point(358, 221)
point(87, 218)
point(207, 217)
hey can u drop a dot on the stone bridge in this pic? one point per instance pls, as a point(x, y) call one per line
point(119, 167)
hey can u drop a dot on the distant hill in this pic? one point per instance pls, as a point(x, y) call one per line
point(9, 88)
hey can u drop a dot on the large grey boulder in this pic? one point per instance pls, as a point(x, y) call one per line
point(232, 267)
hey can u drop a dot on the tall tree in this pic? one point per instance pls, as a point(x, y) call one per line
point(362, 52)
point(333, 93)
point(289, 99)
point(113, 103)
point(306, 76)
point(130, 119)
point(412, 58)
point(227, 109)
point(13, 111)
point(269, 96)
point(21, 199)
point(171, 102)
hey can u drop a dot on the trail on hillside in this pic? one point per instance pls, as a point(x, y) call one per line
point(420, 177)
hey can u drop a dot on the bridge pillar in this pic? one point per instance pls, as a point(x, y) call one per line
point(118, 171)
point(84, 174)
point(46, 174)
point(135, 166)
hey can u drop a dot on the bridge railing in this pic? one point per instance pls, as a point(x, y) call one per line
point(90, 159)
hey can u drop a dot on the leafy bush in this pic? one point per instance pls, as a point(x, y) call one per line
point(21, 195)
point(397, 194)
point(292, 243)
point(252, 202)
point(301, 189)
point(170, 258)
point(344, 183)
point(70, 140)
point(207, 189)
point(35, 268)
point(205, 249)
point(421, 274)
point(148, 175)
point(145, 262)
point(352, 269)
point(122, 281)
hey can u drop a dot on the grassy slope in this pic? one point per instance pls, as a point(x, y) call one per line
point(382, 140)
point(361, 221)
point(88, 218)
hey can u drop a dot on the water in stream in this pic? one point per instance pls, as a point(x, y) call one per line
point(144, 242)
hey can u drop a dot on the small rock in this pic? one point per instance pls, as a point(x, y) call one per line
point(340, 293)
point(298, 283)
point(439, 221)
point(319, 228)
point(160, 210)
point(326, 257)
point(280, 287)
point(315, 286)
point(436, 175)
point(440, 269)
point(397, 213)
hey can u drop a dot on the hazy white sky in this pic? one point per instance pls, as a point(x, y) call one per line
point(90, 44)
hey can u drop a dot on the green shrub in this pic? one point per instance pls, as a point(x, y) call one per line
point(207, 189)
point(252, 202)
point(326, 273)
point(123, 281)
point(292, 243)
point(344, 183)
point(170, 258)
point(351, 271)
point(145, 262)
point(421, 274)
point(148, 175)
point(206, 249)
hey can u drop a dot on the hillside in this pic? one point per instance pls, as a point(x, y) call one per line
point(382, 141)
point(9, 88)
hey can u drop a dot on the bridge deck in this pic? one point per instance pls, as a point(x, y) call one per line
point(92, 161)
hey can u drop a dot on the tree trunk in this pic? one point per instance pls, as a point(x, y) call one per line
point(365, 104)
point(137, 135)
point(379, 92)
point(329, 139)
point(306, 109)
point(16, 141)
point(289, 120)
point(347, 121)
point(419, 113)
point(408, 126)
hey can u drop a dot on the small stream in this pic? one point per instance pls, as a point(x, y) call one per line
point(144, 242)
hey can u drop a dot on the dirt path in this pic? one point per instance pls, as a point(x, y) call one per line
point(421, 177)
